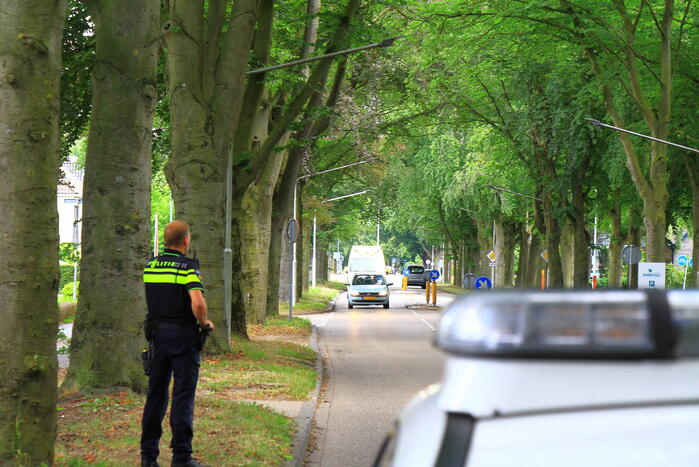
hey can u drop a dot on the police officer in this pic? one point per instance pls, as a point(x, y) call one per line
point(176, 314)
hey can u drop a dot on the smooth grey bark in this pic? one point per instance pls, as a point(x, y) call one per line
point(30, 64)
point(634, 238)
point(107, 337)
point(504, 251)
point(692, 167)
point(615, 245)
point(567, 249)
point(206, 65)
point(525, 242)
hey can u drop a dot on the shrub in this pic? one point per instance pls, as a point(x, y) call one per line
point(66, 275)
point(67, 290)
point(674, 276)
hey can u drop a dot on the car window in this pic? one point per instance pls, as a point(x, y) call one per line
point(368, 279)
point(416, 269)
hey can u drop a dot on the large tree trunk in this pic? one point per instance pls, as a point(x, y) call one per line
point(206, 76)
point(692, 167)
point(505, 238)
point(279, 264)
point(30, 64)
point(535, 263)
point(255, 238)
point(525, 242)
point(298, 265)
point(567, 254)
point(485, 238)
point(634, 238)
point(615, 246)
point(306, 239)
point(581, 243)
point(107, 337)
point(553, 242)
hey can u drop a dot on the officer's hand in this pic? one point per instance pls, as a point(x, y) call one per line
point(208, 323)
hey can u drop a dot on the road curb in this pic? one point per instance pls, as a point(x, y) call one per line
point(307, 413)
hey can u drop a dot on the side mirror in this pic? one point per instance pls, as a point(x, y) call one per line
point(390, 283)
point(346, 284)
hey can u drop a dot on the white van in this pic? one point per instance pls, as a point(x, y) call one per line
point(365, 258)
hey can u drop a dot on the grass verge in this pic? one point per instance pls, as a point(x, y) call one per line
point(280, 327)
point(315, 299)
point(229, 429)
point(452, 289)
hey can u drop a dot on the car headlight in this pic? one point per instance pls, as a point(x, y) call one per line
point(383, 294)
point(573, 324)
point(354, 294)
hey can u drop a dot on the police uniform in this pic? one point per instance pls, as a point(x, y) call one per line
point(168, 279)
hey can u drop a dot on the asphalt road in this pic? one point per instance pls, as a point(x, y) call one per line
point(377, 360)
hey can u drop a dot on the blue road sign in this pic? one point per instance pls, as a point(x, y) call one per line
point(406, 272)
point(434, 274)
point(484, 282)
point(682, 260)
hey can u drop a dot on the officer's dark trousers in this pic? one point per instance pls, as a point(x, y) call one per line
point(175, 353)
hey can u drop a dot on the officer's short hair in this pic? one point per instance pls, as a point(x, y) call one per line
point(175, 233)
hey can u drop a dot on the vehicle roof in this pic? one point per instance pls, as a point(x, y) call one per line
point(486, 386)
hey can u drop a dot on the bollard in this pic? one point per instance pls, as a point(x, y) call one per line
point(543, 279)
point(434, 293)
point(405, 283)
point(428, 287)
point(594, 282)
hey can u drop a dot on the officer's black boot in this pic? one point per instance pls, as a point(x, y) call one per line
point(191, 463)
point(147, 463)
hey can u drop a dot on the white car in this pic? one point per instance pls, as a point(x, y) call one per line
point(552, 379)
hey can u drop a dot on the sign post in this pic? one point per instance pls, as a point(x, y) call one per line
point(434, 275)
point(491, 256)
point(292, 234)
point(686, 262)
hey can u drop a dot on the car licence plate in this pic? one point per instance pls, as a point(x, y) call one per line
point(369, 298)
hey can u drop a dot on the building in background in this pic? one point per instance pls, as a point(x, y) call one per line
point(70, 197)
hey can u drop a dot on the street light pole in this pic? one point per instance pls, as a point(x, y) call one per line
point(344, 196)
point(640, 135)
point(384, 43)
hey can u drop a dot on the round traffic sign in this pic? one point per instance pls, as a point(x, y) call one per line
point(292, 230)
point(484, 282)
point(468, 281)
point(406, 272)
point(631, 254)
point(434, 274)
point(682, 260)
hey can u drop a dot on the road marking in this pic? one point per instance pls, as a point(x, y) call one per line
point(421, 319)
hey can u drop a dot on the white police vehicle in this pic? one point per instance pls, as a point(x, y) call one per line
point(576, 378)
